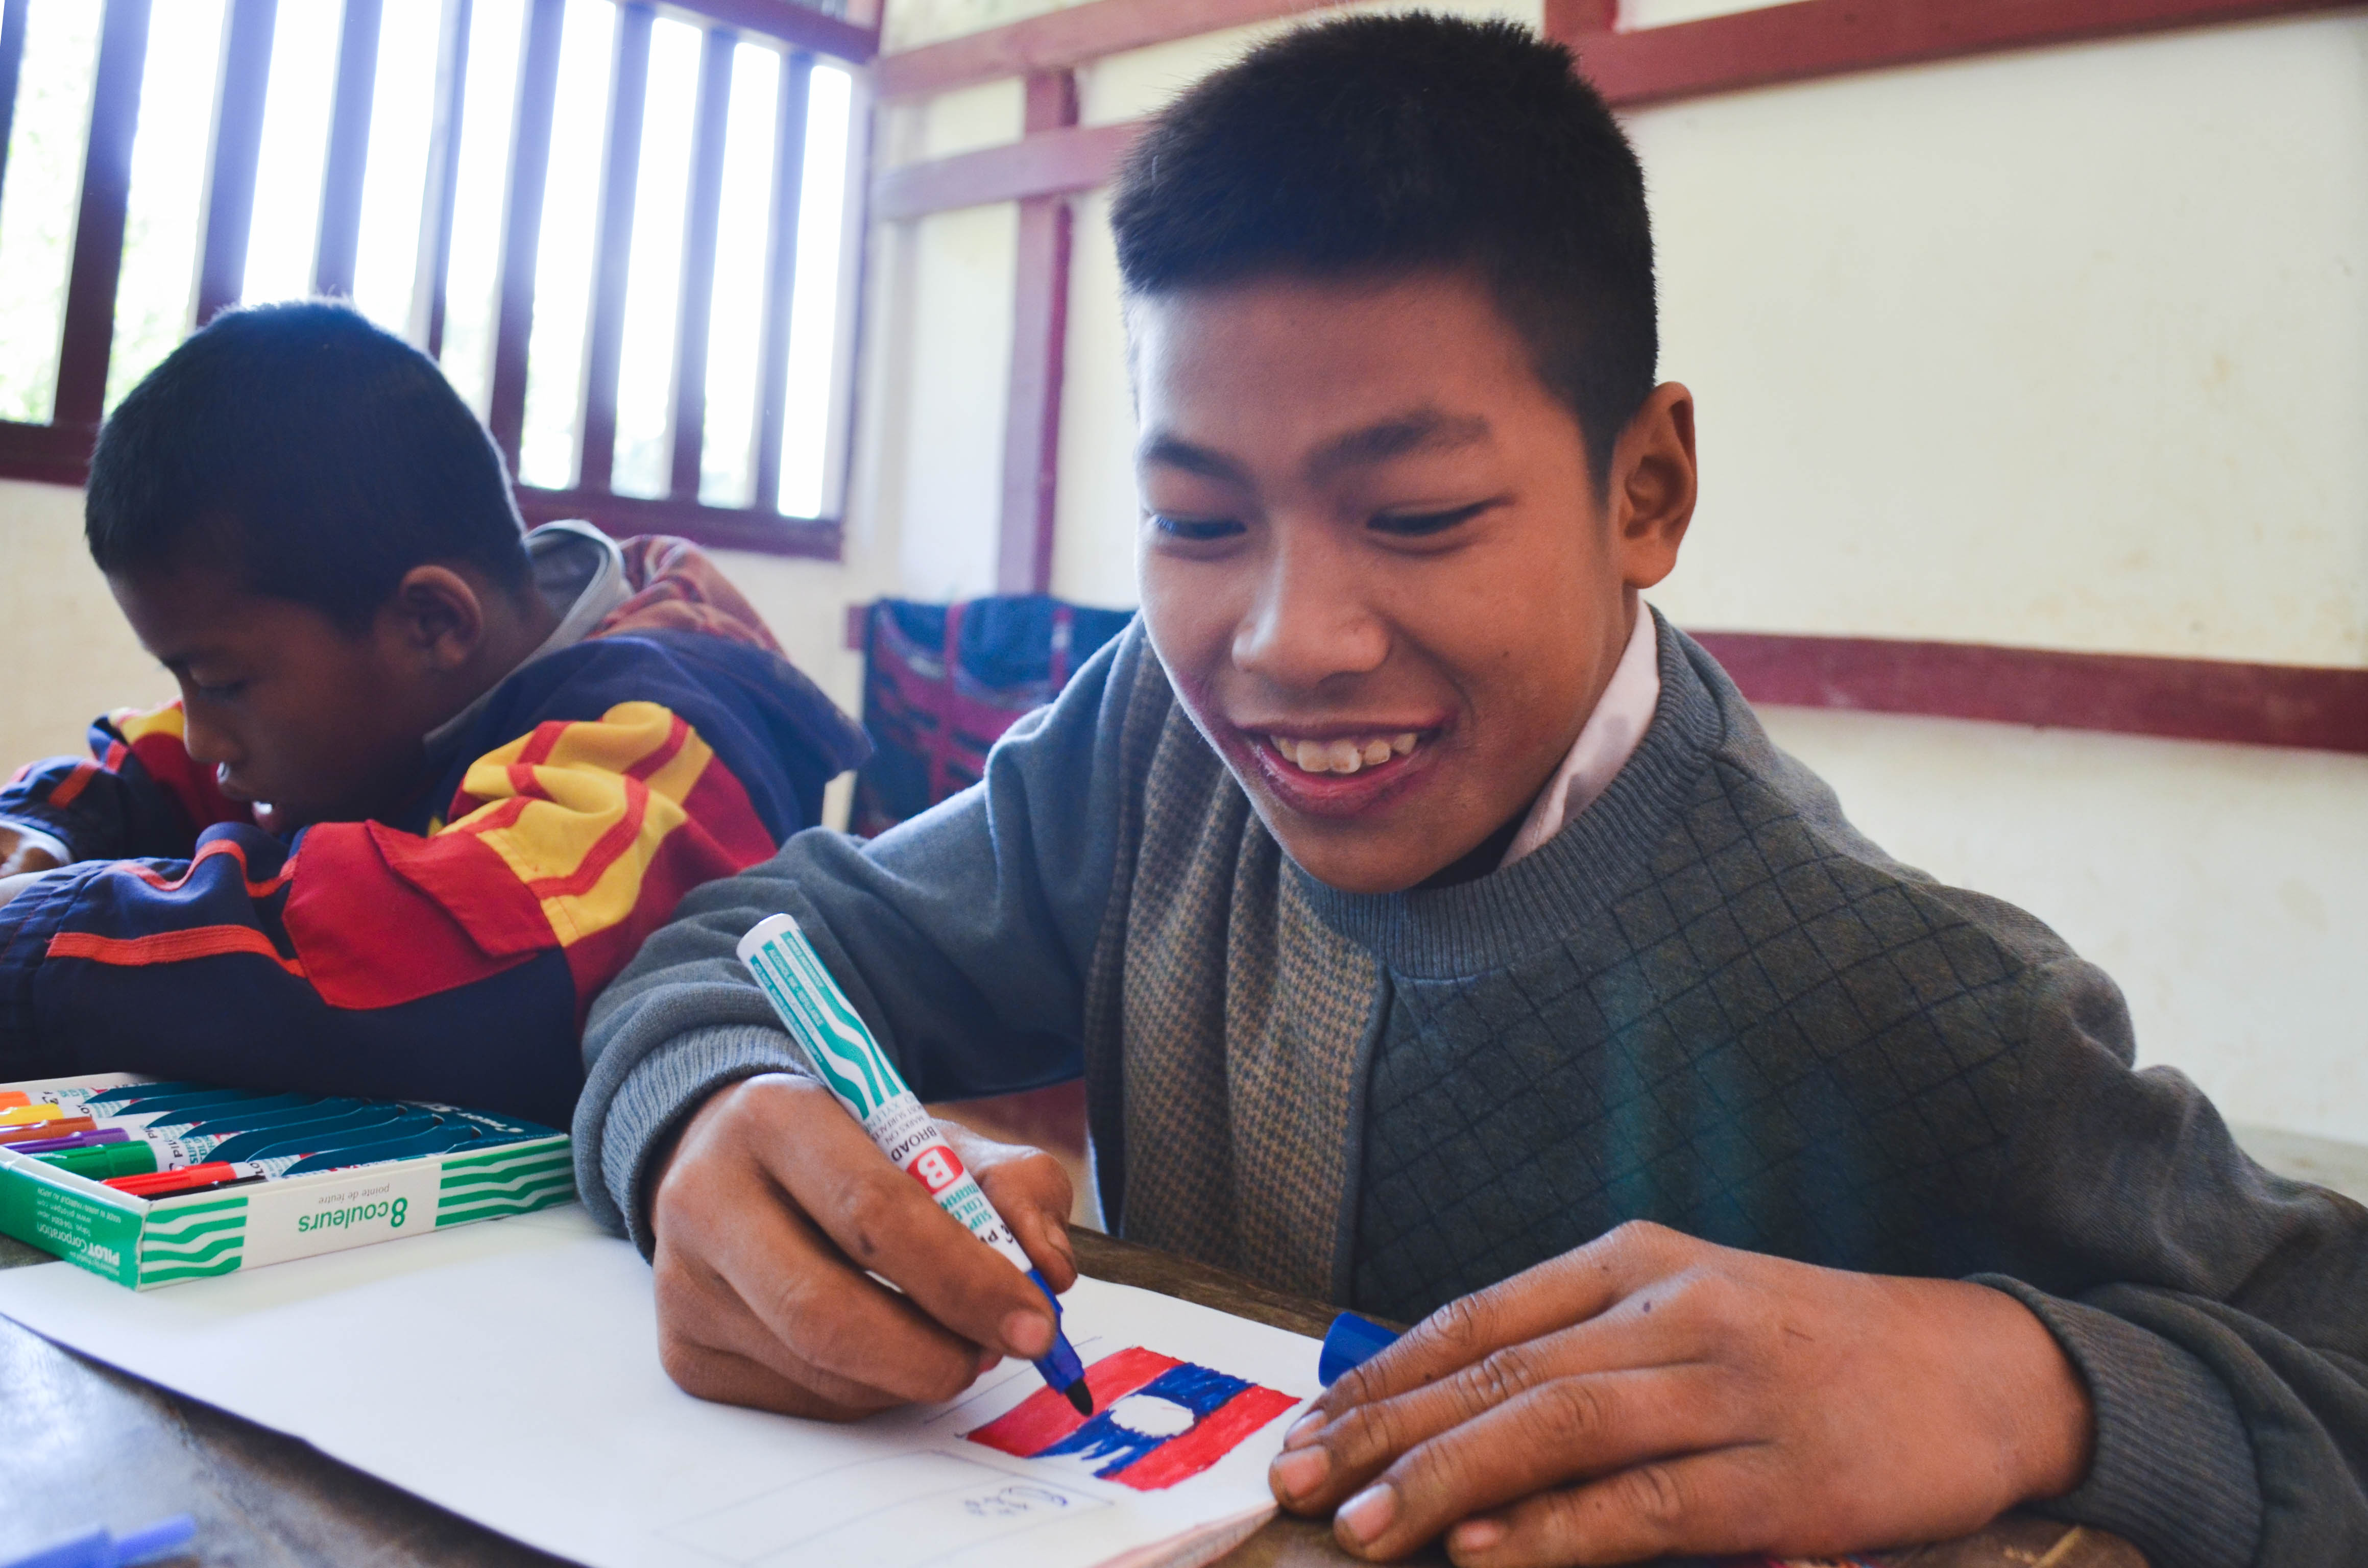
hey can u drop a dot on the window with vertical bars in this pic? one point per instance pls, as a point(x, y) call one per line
point(624, 230)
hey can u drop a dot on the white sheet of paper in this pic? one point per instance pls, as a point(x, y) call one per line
point(509, 1372)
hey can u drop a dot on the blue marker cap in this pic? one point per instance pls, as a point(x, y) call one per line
point(99, 1549)
point(1352, 1341)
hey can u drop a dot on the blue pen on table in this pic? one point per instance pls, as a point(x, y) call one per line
point(102, 1548)
point(862, 1078)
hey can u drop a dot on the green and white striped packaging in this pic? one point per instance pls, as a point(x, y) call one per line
point(147, 1243)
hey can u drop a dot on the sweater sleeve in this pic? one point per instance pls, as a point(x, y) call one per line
point(452, 965)
point(963, 936)
point(2215, 1309)
point(138, 793)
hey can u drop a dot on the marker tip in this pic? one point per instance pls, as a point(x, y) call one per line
point(1079, 1396)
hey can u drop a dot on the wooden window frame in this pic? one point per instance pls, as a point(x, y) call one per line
point(59, 452)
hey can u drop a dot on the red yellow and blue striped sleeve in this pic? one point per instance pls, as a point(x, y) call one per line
point(138, 792)
point(452, 965)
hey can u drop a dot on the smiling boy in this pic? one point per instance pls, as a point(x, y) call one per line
point(1437, 931)
point(430, 778)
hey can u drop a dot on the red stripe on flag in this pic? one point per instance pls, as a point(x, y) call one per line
point(1213, 1436)
point(1044, 1417)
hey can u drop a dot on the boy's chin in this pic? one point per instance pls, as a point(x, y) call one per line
point(1361, 859)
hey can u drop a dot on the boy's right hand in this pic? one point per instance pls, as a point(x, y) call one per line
point(19, 855)
point(769, 1213)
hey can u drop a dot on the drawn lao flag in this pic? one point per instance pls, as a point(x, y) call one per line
point(1156, 1420)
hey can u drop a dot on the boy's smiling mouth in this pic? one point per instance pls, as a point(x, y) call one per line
point(1334, 770)
point(1346, 754)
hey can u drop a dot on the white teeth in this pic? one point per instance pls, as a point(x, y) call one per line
point(1345, 755)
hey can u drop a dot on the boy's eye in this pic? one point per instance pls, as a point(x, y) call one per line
point(1195, 531)
point(1416, 525)
point(222, 691)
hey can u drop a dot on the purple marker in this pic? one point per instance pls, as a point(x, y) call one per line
point(72, 1141)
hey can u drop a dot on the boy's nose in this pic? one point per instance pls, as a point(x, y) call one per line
point(1307, 623)
point(208, 744)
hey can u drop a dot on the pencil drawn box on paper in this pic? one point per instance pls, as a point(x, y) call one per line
point(284, 1176)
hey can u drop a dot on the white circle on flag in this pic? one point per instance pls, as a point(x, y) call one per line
point(1148, 1415)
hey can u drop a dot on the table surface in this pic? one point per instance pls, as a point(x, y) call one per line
point(88, 1445)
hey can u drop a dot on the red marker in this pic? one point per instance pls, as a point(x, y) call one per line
point(189, 1178)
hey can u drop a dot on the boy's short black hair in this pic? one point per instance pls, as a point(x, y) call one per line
point(312, 453)
point(1387, 145)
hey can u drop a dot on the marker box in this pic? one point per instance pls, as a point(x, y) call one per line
point(519, 1166)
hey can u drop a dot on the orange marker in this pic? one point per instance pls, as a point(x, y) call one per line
point(29, 1131)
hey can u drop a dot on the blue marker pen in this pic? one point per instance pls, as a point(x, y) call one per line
point(863, 1079)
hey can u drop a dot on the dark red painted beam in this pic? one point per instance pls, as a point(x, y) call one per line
point(722, 528)
point(48, 454)
point(349, 154)
point(13, 15)
point(1056, 163)
point(800, 26)
point(1828, 38)
point(444, 174)
point(1066, 37)
point(238, 144)
point(790, 112)
point(88, 337)
point(620, 163)
point(2196, 699)
point(702, 212)
point(1040, 342)
point(522, 223)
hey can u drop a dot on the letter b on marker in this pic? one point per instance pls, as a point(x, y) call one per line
point(939, 1169)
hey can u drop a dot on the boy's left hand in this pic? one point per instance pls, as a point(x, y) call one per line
point(1649, 1394)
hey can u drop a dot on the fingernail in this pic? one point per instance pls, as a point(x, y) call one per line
point(1368, 1513)
point(1301, 1470)
point(1476, 1535)
point(1303, 1431)
point(1029, 1334)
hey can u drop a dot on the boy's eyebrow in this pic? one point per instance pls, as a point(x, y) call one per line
point(1170, 451)
point(1423, 430)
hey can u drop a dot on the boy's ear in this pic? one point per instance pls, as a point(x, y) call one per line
point(1653, 485)
point(436, 616)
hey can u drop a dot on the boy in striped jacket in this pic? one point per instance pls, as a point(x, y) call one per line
point(431, 778)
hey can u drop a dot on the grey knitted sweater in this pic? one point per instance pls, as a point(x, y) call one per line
point(1707, 1002)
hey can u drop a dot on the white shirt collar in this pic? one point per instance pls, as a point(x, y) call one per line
point(1605, 742)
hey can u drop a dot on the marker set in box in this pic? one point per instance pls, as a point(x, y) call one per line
point(149, 1183)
